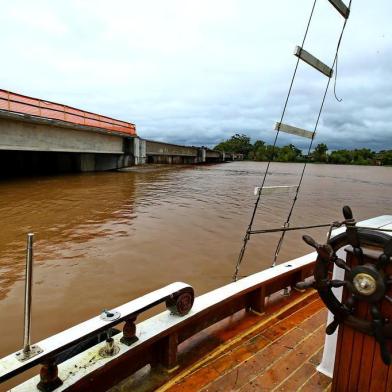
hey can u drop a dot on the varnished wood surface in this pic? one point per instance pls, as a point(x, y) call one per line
point(358, 364)
point(249, 352)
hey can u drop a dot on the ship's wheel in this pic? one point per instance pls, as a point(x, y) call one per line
point(367, 281)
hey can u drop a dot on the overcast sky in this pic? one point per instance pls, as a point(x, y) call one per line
point(196, 72)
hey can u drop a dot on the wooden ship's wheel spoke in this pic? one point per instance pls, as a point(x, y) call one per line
point(365, 283)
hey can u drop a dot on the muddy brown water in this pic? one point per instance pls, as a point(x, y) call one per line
point(103, 239)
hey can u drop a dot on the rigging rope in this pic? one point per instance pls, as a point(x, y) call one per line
point(287, 222)
point(334, 85)
point(247, 234)
point(279, 229)
point(333, 224)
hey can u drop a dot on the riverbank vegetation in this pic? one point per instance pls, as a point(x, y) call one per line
point(261, 151)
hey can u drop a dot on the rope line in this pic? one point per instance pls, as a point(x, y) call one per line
point(334, 85)
point(247, 235)
point(278, 229)
point(287, 222)
point(333, 225)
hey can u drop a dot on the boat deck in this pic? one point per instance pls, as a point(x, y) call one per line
point(276, 351)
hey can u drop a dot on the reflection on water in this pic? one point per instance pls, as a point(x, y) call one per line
point(105, 238)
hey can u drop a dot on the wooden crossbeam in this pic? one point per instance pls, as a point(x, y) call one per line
point(341, 8)
point(276, 190)
point(313, 61)
point(293, 130)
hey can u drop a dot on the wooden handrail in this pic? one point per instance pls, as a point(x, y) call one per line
point(172, 294)
point(159, 336)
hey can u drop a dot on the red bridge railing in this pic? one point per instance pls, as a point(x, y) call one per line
point(18, 103)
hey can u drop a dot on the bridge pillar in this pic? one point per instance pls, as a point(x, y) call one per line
point(143, 153)
point(138, 151)
point(108, 162)
point(86, 162)
point(102, 162)
point(202, 152)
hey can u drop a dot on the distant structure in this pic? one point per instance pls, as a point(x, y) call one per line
point(39, 135)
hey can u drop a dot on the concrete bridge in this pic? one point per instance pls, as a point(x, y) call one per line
point(37, 134)
point(161, 152)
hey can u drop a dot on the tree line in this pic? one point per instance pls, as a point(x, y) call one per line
point(261, 151)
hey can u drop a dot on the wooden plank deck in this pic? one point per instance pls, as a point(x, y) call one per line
point(277, 351)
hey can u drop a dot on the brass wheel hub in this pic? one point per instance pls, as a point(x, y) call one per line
point(365, 284)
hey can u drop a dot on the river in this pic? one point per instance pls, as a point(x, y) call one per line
point(102, 239)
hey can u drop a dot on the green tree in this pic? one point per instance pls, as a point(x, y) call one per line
point(363, 156)
point(239, 144)
point(320, 153)
point(258, 144)
point(289, 153)
point(271, 153)
point(259, 150)
point(384, 157)
point(342, 157)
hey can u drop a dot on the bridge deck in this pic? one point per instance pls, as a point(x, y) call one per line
point(13, 102)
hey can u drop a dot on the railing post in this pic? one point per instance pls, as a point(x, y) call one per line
point(169, 352)
point(28, 351)
point(129, 332)
point(299, 276)
point(49, 379)
point(28, 295)
point(257, 300)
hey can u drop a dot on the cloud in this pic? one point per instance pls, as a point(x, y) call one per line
point(197, 72)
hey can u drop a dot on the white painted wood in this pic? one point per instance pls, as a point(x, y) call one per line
point(341, 8)
point(276, 190)
point(378, 223)
point(293, 130)
point(49, 345)
point(328, 361)
point(313, 61)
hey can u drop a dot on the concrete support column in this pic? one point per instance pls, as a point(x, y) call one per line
point(107, 161)
point(201, 155)
point(86, 162)
point(138, 151)
point(126, 159)
point(142, 152)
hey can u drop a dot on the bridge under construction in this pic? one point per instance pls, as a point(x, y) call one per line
point(39, 135)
